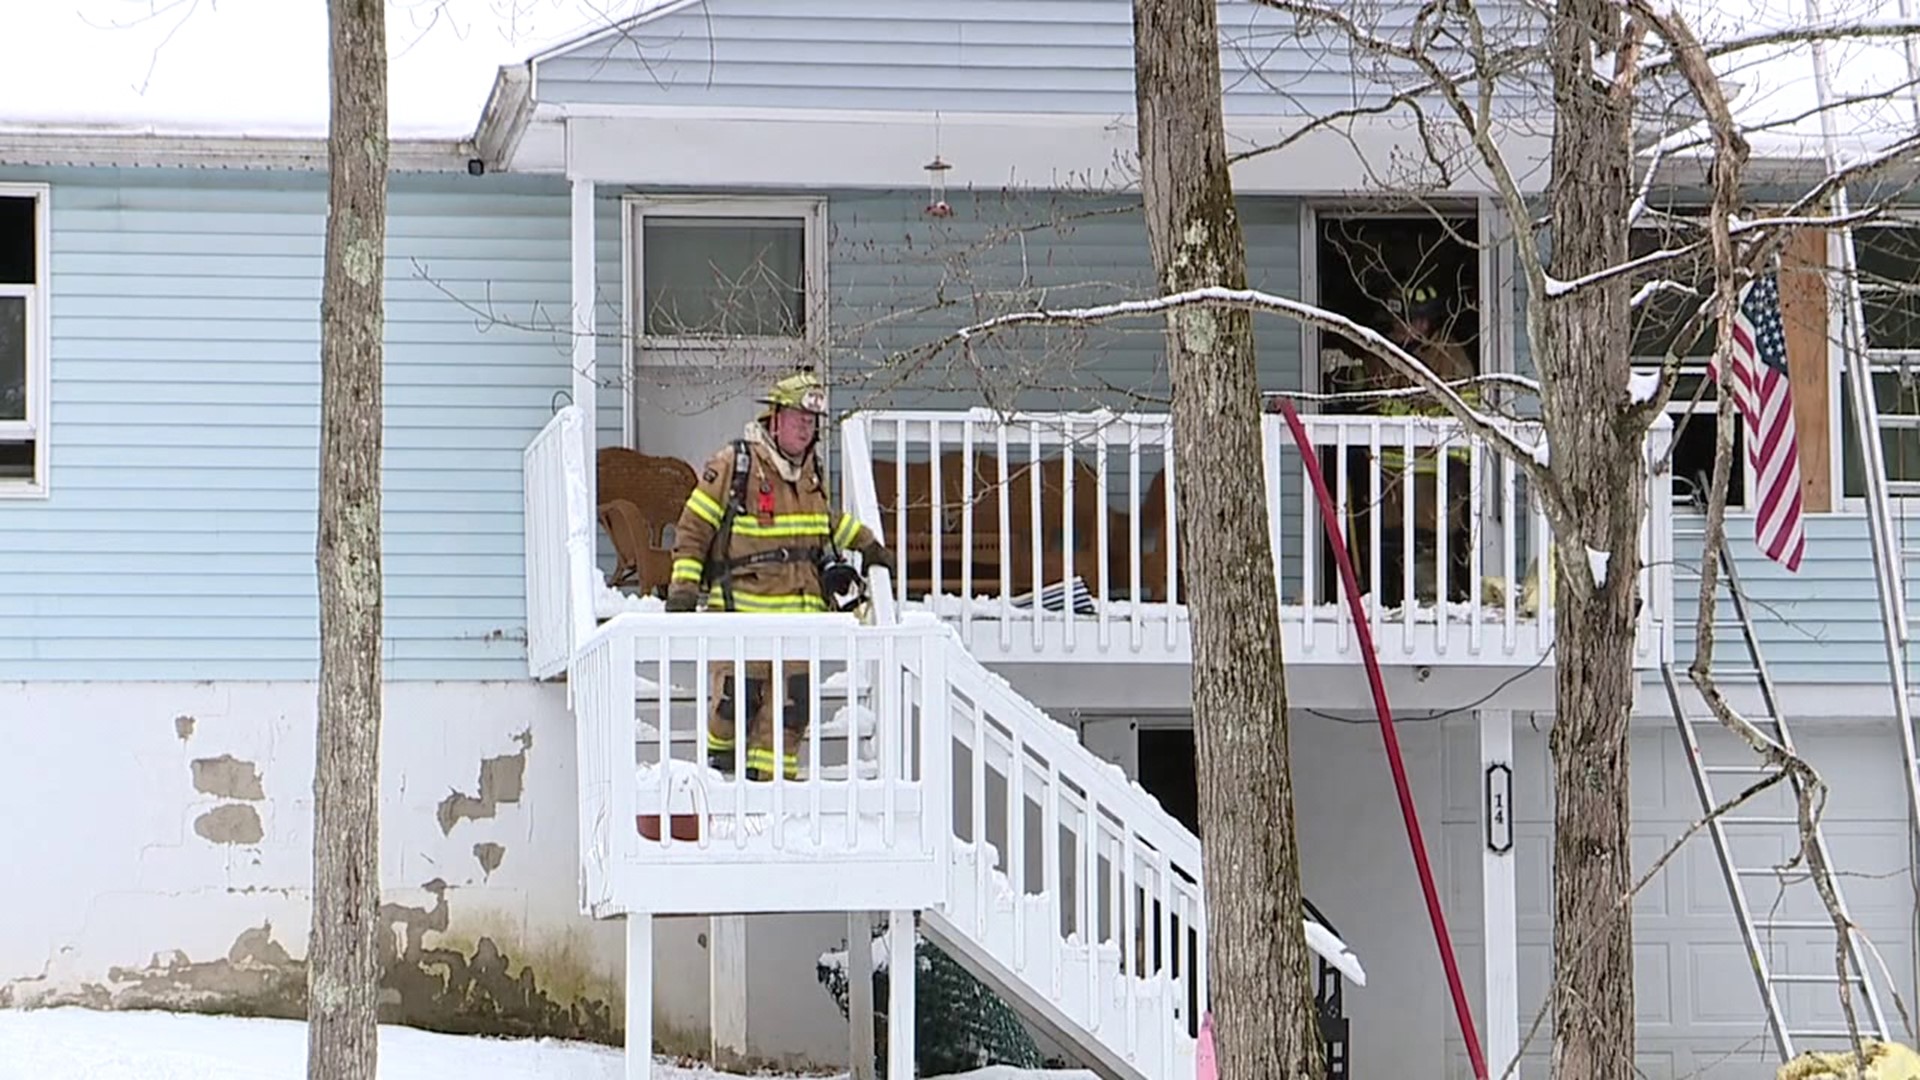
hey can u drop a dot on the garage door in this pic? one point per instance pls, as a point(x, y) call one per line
point(1696, 1002)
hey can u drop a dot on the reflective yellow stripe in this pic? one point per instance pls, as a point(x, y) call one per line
point(704, 505)
point(743, 601)
point(688, 570)
point(849, 528)
point(761, 760)
point(745, 526)
point(1418, 405)
point(715, 742)
point(1423, 461)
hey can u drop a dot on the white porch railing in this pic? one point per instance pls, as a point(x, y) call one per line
point(984, 508)
point(559, 524)
point(866, 826)
point(927, 784)
point(1071, 884)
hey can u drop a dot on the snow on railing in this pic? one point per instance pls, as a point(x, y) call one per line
point(1094, 540)
point(1106, 917)
point(559, 542)
point(861, 708)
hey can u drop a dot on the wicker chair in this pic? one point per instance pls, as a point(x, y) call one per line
point(640, 500)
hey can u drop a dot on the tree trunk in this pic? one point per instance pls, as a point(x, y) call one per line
point(1598, 463)
point(1262, 989)
point(343, 961)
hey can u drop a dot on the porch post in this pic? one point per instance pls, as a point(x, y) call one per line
point(585, 376)
point(639, 1020)
point(727, 989)
point(1499, 928)
point(902, 964)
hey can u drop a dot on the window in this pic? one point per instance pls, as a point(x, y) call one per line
point(23, 339)
point(1657, 324)
point(1887, 256)
point(724, 280)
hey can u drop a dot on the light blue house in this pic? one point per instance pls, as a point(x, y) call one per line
point(647, 224)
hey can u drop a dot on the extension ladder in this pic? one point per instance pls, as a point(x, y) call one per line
point(1762, 936)
point(1891, 556)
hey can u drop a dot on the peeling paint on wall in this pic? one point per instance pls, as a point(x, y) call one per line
point(228, 778)
point(489, 856)
point(464, 982)
point(230, 823)
point(482, 978)
point(501, 781)
point(183, 727)
point(256, 978)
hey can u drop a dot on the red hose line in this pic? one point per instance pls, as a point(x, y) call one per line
point(1329, 520)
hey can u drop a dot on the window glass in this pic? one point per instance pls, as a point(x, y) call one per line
point(723, 276)
point(1661, 316)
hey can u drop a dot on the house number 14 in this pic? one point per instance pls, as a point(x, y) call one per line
point(1499, 809)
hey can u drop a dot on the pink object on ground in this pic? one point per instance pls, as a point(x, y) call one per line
point(1203, 1066)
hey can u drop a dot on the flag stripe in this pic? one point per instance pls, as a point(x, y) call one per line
point(1763, 393)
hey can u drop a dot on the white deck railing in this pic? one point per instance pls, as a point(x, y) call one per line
point(559, 528)
point(927, 784)
point(1106, 922)
point(977, 550)
point(867, 820)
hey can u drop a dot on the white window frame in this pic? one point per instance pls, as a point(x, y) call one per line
point(1679, 407)
point(39, 345)
point(1496, 319)
point(643, 351)
point(1879, 361)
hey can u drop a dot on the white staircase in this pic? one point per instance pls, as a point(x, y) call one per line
point(930, 788)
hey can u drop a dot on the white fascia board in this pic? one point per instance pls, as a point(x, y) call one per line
point(796, 148)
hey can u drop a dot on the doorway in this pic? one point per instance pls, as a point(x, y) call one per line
point(1416, 278)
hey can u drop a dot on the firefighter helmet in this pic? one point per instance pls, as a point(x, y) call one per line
point(802, 390)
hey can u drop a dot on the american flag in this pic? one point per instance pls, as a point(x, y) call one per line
point(1765, 399)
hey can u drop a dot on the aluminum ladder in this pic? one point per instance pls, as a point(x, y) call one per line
point(1759, 935)
point(1891, 556)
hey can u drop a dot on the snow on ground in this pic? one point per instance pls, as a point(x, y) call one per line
point(84, 1044)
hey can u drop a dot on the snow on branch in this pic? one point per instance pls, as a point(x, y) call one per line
point(1253, 299)
point(1659, 63)
point(1476, 118)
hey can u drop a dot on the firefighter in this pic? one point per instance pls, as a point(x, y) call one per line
point(1422, 325)
point(758, 535)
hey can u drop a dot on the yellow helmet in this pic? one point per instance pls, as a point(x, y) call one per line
point(802, 390)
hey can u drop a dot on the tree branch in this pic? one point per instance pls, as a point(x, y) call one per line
point(1528, 458)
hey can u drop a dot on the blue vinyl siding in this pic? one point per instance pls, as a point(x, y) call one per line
point(899, 279)
point(1008, 56)
point(1820, 625)
point(178, 542)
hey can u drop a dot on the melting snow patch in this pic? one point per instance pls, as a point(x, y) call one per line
point(608, 602)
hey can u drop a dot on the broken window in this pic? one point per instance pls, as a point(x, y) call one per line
point(1412, 277)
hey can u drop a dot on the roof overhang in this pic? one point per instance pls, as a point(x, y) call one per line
point(683, 146)
point(61, 146)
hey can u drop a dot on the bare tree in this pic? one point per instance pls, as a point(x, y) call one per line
point(1607, 69)
point(343, 966)
point(1263, 997)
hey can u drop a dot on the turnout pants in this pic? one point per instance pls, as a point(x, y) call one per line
point(722, 737)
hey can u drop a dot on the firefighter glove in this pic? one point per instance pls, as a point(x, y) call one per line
point(877, 554)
